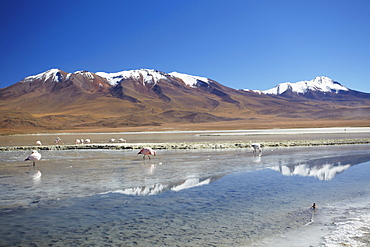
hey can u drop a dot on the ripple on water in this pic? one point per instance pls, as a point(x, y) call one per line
point(243, 202)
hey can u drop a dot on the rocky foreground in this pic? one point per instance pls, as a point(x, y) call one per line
point(192, 145)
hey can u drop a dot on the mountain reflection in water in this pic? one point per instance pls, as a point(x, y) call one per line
point(323, 172)
point(323, 169)
point(159, 188)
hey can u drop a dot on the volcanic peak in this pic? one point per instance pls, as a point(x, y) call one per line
point(319, 84)
point(53, 74)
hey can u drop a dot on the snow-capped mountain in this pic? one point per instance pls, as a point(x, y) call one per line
point(320, 84)
point(53, 74)
point(144, 76)
point(148, 97)
point(151, 76)
point(125, 98)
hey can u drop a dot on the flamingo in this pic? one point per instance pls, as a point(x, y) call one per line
point(121, 140)
point(87, 141)
point(57, 140)
point(38, 143)
point(147, 151)
point(112, 140)
point(78, 141)
point(34, 156)
point(256, 146)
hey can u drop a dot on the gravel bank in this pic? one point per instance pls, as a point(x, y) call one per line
point(193, 145)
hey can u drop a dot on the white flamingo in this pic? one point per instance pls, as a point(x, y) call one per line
point(34, 156)
point(112, 140)
point(256, 146)
point(147, 151)
point(38, 143)
point(78, 141)
point(87, 141)
point(121, 140)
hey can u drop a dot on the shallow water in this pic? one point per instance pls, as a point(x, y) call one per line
point(192, 136)
point(186, 198)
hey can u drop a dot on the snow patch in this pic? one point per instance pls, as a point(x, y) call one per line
point(143, 75)
point(253, 91)
point(189, 80)
point(85, 73)
point(53, 74)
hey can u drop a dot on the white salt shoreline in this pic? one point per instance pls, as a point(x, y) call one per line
point(331, 130)
point(334, 130)
point(339, 223)
point(192, 139)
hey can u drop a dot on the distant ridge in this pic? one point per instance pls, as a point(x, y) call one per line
point(320, 83)
point(318, 88)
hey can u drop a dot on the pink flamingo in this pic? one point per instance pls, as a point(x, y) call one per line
point(34, 156)
point(147, 151)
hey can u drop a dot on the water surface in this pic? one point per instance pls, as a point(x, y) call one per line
point(185, 197)
point(192, 136)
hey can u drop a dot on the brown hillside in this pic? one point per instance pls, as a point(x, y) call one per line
point(57, 100)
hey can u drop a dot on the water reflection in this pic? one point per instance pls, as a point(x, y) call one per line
point(257, 159)
point(324, 168)
point(322, 172)
point(35, 175)
point(151, 169)
point(159, 188)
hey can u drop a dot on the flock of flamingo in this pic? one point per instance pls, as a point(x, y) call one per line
point(147, 151)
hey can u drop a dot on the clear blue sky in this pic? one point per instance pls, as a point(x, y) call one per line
point(252, 44)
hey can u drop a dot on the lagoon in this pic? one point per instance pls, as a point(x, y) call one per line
point(186, 197)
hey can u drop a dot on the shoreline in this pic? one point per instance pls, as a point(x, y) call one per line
point(215, 132)
point(192, 145)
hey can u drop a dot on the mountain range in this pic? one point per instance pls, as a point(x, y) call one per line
point(57, 100)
